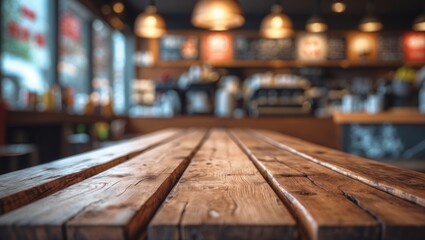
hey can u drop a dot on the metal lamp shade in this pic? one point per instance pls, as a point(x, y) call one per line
point(370, 24)
point(149, 24)
point(419, 23)
point(276, 24)
point(217, 15)
point(316, 24)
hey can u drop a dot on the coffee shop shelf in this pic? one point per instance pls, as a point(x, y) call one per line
point(397, 135)
point(395, 116)
point(282, 63)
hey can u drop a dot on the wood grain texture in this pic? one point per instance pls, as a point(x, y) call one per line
point(406, 184)
point(222, 196)
point(398, 219)
point(324, 213)
point(115, 204)
point(30, 184)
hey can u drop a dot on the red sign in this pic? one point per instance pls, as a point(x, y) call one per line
point(414, 47)
point(22, 32)
point(40, 40)
point(28, 13)
point(217, 47)
point(71, 26)
point(15, 30)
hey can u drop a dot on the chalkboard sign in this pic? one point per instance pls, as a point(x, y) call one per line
point(337, 48)
point(250, 48)
point(390, 48)
point(178, 47)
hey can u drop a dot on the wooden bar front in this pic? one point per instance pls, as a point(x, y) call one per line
point(213, 184)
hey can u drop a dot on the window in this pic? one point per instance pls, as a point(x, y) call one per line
point(119, 72)
point(73, 64)
point(26, 56)
point(102, 61)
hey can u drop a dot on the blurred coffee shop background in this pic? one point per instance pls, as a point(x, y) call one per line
point(78, 75)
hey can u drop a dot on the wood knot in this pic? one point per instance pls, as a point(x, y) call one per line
point(305, 193)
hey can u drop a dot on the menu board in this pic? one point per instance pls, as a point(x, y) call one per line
point(357, 47)
point(362, 47)
point(414, 46)
point(251, 48)
point(311, 47)
point(390, 48)
point(178, 47)
point(217, 47)
point(337, 46)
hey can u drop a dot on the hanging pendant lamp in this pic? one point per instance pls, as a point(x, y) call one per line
point(316, 23)
point(338, 6)
point(149, 24)
point(217, 15)
point(276, 24)
point(419, 23)
point(370, 23)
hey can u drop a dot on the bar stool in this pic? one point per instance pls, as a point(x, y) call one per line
point(17, 156)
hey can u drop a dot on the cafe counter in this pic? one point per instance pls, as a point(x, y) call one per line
point(396, 136)
point(395, 116)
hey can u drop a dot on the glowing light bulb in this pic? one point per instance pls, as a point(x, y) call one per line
point(338, 7)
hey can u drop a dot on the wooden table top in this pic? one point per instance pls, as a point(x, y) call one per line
point(213, 184)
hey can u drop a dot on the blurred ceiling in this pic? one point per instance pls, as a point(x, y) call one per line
point(396, 14)
point(296, 7)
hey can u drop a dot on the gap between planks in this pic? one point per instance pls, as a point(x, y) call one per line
point(398, 219)
point(402, 183)
point(314, 208)
point(222, 195)
point(25, 186)
point(116, 204)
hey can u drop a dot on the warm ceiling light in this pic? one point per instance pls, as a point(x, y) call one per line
point(276, 24)
point(118, 7)
point(419, 23)
point(338, 6)
point(149, 24)
point(370, 23)
point(315, 23)
point(217, 15)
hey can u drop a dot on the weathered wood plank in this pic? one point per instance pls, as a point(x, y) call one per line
point(222, 196)
point(403, 183)
point(115, 204)
point(399, 219)
point(312, 191)
point(28, 185)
